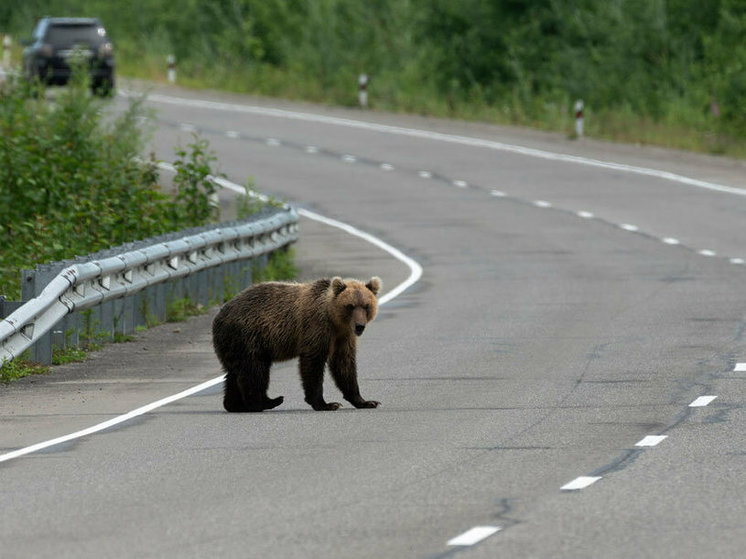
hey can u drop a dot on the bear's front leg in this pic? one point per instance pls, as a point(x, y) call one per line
point(343, 368)
point(312, 376)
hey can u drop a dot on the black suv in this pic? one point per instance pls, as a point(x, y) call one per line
point(55, 43)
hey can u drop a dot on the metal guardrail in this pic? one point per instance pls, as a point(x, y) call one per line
point(128, 289)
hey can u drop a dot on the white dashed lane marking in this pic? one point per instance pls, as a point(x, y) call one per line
point(473, 536)
point(702, 401)
point(460, 183)
point(739, 368)
point(580, 483)
point(652, 440)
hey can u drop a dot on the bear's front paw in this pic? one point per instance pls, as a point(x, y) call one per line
point(331, 406)
point(367, 404)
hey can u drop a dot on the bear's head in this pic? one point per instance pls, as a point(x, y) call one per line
point(354, 303)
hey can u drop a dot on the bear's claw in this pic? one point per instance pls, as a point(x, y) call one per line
point(367, 404)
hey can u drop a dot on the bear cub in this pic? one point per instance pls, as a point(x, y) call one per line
point(319, 322)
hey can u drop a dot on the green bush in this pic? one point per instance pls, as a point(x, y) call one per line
point(71, 181)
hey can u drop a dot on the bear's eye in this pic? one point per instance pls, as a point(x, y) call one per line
point(350, 307)
point(366, 307)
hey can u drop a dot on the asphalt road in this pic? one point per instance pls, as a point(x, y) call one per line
point(577, 298)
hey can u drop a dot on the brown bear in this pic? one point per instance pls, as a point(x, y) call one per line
point(317, 321)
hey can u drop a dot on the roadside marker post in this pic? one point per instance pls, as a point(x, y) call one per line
point(579, 118)
point(171, 61)
point(6, 51)
point(362, 90)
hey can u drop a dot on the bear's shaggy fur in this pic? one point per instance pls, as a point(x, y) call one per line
point(317, 321)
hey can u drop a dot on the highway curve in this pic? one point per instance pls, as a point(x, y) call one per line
point(562, 381)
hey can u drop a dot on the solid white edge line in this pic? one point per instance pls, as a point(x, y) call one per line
point(473, 536)
point(442, 137)
point(111, 422)
point(580, 482)
point(739, 368)
point(415, 274)
point(415, 268)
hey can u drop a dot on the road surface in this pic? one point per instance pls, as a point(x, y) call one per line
point(537, 382)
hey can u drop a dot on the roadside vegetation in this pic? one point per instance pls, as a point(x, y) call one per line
point(71, 181)
point(667, 72)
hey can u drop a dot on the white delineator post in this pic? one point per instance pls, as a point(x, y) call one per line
point(6, 51)
point(171, 60)
point(579, 118)
point(362, 90)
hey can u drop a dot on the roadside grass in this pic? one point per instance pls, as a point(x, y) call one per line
point(679, 128)
point(19, 368)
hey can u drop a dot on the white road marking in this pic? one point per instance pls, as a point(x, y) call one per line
point(349, 158)
point(414, 267)
point(425, 174)
point(630, 227)
point(312, 149)
point(737, 260)
point(670, 241)
point(414, 276)
point(702, 401)
point(232, 134)
point(580, 483)
point(111, 422)
point(187, 127)
point(498, 193)
point(542, 204)
point(739, 368)
point(274, 142)
point(443, 137)
point(585, 215)
point(460, 183)
point(652, 440)
point(707, 252)
point(473, 536)
point(387, 167)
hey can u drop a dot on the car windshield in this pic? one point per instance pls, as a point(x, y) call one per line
point(68, 35)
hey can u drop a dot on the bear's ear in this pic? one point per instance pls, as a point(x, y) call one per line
point(374, 284)
point(338, 286)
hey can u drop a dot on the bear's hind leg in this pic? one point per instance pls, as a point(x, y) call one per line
point(232, 399)
point(246, 388)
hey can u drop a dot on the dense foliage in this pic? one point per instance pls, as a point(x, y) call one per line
point(522, 61)
point(71, 183)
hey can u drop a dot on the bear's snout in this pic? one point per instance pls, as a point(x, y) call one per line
point(359, 329)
